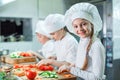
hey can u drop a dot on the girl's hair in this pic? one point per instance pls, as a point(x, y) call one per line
point(88, 48)
point(65, 28)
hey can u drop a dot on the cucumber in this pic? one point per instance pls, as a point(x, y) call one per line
point(48, 74)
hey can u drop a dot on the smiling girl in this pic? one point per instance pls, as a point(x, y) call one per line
point(84, 20)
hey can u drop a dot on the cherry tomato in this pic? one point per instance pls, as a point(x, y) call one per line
point(30, 74)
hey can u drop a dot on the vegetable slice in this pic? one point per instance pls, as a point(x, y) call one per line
point(48, 74)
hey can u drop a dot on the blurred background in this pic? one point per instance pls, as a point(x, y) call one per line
point(18, 21)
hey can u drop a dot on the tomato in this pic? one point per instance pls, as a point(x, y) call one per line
point(25, 54)
point(28, 55)
point(22, 54)
point(30, 74)
point(46, 68)
point(17, 66)
point(41, 67)
point(30, 66)
point(26, 68)
point(51, 68)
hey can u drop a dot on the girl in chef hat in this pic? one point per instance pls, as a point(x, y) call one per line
point(84, 20)
point(65, 44)
point(45, 39)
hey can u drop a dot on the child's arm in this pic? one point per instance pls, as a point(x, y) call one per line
point(36, 54)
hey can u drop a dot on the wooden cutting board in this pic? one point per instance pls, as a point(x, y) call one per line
point(10, 60)
point(63, 76)
point(66, 76)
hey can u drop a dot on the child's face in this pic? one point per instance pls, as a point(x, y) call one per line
point(42, 38)
point(57, 35)
point(82, 27)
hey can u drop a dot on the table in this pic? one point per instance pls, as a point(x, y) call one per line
point(60, 77)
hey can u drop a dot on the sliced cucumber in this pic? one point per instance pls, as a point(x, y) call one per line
point(48, 74)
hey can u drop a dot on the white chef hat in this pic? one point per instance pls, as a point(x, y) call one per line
point(40, 28)
point(85, 11)
point(54, 22)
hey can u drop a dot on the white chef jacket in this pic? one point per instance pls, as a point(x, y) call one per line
point(66, 49)
point(48, 49)
point(96, 60)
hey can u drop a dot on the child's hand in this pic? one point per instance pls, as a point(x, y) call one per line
point(45, 62)
point(52, 57)
point(36, 54)
point(64, 68)
point(32, 52)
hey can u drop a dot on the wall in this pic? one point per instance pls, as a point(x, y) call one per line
point(29, 9)
point(116, 28)
point(50, 6)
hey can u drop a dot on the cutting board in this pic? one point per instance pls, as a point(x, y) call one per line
point(10, 60)
point(21, 73)
point(60, 77)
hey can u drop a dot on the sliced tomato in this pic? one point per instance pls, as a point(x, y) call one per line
point(30, 66)
point(17, 66)
point(26, 68)
point(22, 54)
point(46, 68)
point(41, 67)
point(51, 68)
point(25, 54)
point(28, 55)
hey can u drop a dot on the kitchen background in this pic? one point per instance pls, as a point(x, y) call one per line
point(21, 17)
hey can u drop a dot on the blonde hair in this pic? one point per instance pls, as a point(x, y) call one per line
point(88, 48)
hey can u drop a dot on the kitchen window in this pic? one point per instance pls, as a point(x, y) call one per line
point(15, 29)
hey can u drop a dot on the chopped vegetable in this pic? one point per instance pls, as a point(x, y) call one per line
point(46, 68)
point(15, 55)
point(48, 74)
point(19, 54)
point(25, 54)
point(2, 75)
point(17, 66)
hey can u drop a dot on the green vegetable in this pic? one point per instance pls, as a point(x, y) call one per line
point(15, 55)
point(2, 75)
point(18, 69)
point(48, 74)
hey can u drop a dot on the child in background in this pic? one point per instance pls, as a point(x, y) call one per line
point(65, 44)
point(45, 39)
